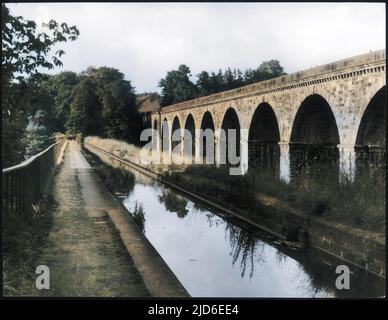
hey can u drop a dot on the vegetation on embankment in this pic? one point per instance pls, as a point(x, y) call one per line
point(359, 203)
point(23, 241)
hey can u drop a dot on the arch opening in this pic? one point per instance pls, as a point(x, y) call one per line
point(189, 137)
point(230, 138)
point(263, 139)
point(207, 138)
point(371, 136)
point(176, 136)
point(314, 140)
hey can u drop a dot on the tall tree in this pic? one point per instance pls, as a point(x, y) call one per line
point(177, 86)
point(55, 101)
point(118, 100)
point(104, 103)
point(24, 52)
point(85, 109)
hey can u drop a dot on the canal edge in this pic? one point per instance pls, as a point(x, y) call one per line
point(340, 255)
point(156, 274)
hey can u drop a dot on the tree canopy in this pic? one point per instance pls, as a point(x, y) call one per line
point(25, 52)
point(177, 86)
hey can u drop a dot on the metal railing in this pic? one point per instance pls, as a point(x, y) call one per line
point(23, 185)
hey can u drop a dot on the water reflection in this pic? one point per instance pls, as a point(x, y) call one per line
point(138, 215)
point(244, 248)
point(214, 256)
point(174, 203)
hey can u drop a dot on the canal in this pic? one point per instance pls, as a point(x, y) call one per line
point(215, 256)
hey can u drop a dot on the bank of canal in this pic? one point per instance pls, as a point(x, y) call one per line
point(214, 256)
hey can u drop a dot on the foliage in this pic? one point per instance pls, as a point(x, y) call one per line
point(25, 51)
point(359, 203)
point(57, 94)
point(105, 104)
point(36, 140)
point(85, 109)
point(177, 86)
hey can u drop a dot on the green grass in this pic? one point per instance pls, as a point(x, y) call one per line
point(23, 241)
point(359, 203)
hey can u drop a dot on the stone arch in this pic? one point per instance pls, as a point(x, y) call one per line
point(189, 136)
point(314, 140)
point(165, 134)
point(230, 121)
point(175, 133)
point(371, 131)
point(263, 138)
point(207, 138)
point(314, 123)
point(371, 135)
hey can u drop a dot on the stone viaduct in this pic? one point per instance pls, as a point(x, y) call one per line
point(340, 104)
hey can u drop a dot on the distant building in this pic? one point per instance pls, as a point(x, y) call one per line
point(146, 104)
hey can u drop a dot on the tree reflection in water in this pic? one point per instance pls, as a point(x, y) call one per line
point(138, 215)
point(244, 245)
point(174, 203)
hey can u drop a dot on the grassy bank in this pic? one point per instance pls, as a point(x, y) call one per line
point(359, 203)
point(23, 242)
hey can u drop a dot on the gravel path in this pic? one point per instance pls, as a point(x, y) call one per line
point(84, 254)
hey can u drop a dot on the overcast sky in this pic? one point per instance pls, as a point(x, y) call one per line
point(145, 40)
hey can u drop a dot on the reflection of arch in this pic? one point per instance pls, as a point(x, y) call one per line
point(207, 137)
point(165, 136)
point(371, 131)
point(314, 123)
point(264, 135)
point(314, 140)
point(175, 134)
point(189, 136)
point(230, 122)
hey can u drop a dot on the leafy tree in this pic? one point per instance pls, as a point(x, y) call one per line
point(203, 83)
point(177, 86)
point(56, 95)
point(105, 104)
point(85, 109)
point(24, 53)
point(267, 70)
point(118, 100)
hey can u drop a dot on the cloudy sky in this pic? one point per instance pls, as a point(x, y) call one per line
point(145, 40)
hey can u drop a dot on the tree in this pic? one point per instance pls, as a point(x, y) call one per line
point(203, 84)
point(270, 69)
point(177, 86)
point(267, 70)
point(57, 93)
point(105, 104)
point(118, 100)
point(24, 53)
point(85, 109)
point(216, 82)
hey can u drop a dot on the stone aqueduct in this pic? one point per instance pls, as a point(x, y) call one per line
point(340, 104)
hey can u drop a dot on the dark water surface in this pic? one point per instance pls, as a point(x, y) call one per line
point(217, 257)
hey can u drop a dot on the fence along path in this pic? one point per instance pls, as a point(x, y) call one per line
point(23, 185)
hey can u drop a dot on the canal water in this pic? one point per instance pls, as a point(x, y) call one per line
point(214, 256)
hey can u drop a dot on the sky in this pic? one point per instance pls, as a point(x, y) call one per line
point(145, 40)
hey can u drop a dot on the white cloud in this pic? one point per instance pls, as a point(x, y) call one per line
point(145, 40)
